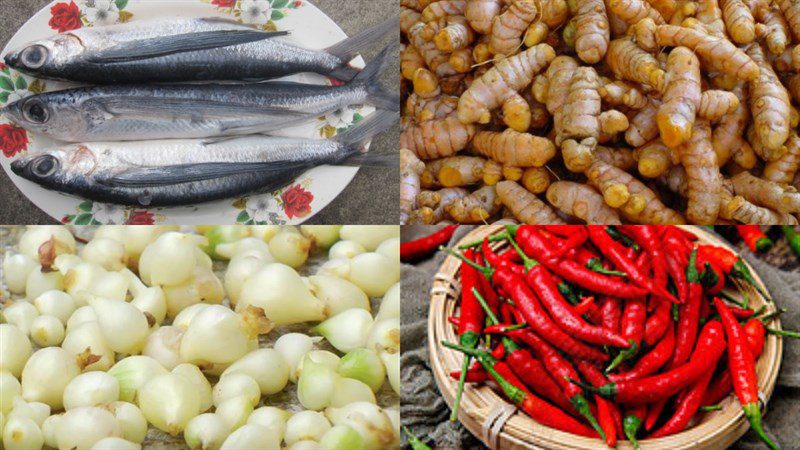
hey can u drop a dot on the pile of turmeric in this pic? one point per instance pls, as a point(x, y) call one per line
point(600, 111)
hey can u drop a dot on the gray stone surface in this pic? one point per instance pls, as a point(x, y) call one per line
point(372, 197)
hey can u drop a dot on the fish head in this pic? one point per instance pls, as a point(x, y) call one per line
point(52, 114)
point(45, 56)
point(57, 167)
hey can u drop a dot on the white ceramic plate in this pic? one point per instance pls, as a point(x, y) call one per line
point(311, 192)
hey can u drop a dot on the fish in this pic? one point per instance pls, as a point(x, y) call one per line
point(178, 172)
point(164, 111)
point(185, 49)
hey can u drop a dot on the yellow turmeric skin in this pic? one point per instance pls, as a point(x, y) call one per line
point(410, 170)
point(781, 198)
point(643, 127)
point(526, 207)
point(632, 11)
point(644, 34)
point(577, 123)
point(581, 201)
point(773, 29)
point(513, 148)
point(591, 30)
point(769, 104)
point(700, 162)
point(480, 14)
point(426, 109)
point(791, 12)
point(508, 27)
point(716, 54)
point(455, 36)
point(784, 169)
point(436, 138)
point(629, 62)
point(678, 109)
point(621, 93)
point(443, 8)
point(536, 179)
point(653, 158)
point(461, 171)
point(620, 157)
point(476, 207)
point(716, 104)
point(739, 209)
point(738, 21)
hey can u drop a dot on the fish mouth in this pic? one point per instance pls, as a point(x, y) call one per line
point(11, 59)
point(18, 167)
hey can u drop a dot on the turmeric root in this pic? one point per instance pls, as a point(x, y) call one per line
point(435, 59)
point(513, 148)
point(783, 169)
point(501, 82)
point(766, 193)
point(727, 135)
point(440, 200)
point(791, 12)
point(664, 7)
point(630, 62)
point(581, 201)
point(517, 113)
point(410, 169)
point(773, 29)
point(640, 205)
point(457, 171)
point(525, 206)
point(426, 84)
point(632, 11)
point(591, 30)
point(739, 209)
point(535, 34)
point(559, 74)
point(769, 104)
point(508, 27)
point(653, 158)
point(554, 13)
point(643, 127)
point(716, 104)
point(577, 124)
point(436, 138)
point(475, 207)
point(738, 21)
point(480, 14)
point(704, 182)
point(716, 54)
point(462, 60)
point(621, 158)
point(410, 61)
point(616, 93)
point(455, 36)
point(677, 112)
point(536, 179)
point(709, 14)
point(644, 34)
point(426, 109)
point(408, 17)
point(443, 8)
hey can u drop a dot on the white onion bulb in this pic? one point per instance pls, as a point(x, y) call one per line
point(293, 347)
point(218, 335)
point(234, 411)
point(339, 294)
point(16, 268)
point(349, 390)
point(266, 366)
point(369, 421)
point(10, 389)
point(283, 296)
point(200, 382)
point(247, 245)
point(370, 236)
point(56, 303)
point(324, 357)
point(35, 411)
point(206, 432)
point(164, 345)
point(322, 236)
point(290, 248)
point(64, 263)
point(390, 305)
point(335, 267)
point(238, 271)
point(47, 373)
point(316, 383)
point(252, 437)
point(390, 248)
point(184, 318)
point(115, 443)
point(88, 335)
point(306, 425)
point(15, 349)
point(130, 419)
point(124, 327)
point(271, 418)
point(264, 232)
point(86, 280)
point(106, 253)
point(374, 273)
point(82, 315)
point(393, 413)
point(347, 330)
point(170, 260)
point(345, 250)
point(36, 235)
point(169, 402)
point(305, 445)
point(134, 372)
point(222, 235)
point(21, 314)
point(364, 365)
point(392, 363)
point(151, 300)
point(202, 286)
point(342, 437)
point(91, 389)
point(22, 433)
point(47, 331)
point(81, 428)
point(384, 336)
point(49, 430)
point(39, 282)
point(235, 385)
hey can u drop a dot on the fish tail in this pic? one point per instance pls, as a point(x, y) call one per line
point(379, 96)
point(357, 137)
point(352, 46)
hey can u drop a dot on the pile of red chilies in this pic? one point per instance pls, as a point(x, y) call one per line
point(609, 331)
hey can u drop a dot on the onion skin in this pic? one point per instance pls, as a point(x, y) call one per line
point(206, 432)
point(22, 433)
point(15, 349)
point(81, 428)
point(252, 437)
point(169, 402)
point(10, 388)
point(46, 374)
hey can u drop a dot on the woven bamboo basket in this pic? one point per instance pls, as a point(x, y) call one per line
point(496, 422)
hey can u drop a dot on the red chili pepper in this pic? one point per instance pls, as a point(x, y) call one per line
point(632, 328)
point(538, 409)
point(754, 237)
point(652, 361)
point(534, 244)
point(453, 320)
point(649, 238)
point(723, 383)
point(611, 313)
point(586, 305)
point(741, 313)
point(710, 347)
point(473, 376)
point(658, 322)
point(689, 315)
point(687, 407)
point(607, 411)
point(730, 264)
point(742, 365)
point(424, 246)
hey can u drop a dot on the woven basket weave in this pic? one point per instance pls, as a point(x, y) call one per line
point(495, 421)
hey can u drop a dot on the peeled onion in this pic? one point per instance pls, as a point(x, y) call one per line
point(384, 336)
point(170, 260)
point(374, 273)
point(124, 327)
point(47, 373)
point(364, 365)
point(218, 335)
point(81, 428)
point(202, 286)
point(252, 437)
point(134, 372)
point(238, 271)
point(293, 347)
point(86, 280)
point(91, 389)
point(347, 330)
point(306, 425)
point(16, 268)
point(316, 383)
point(164, 345)
point(390, 304)
point(342, 437)
point(10, 388)
point(266, 366)
point(106, 253)
point(39, 282)
point(271, 418)
point(21, 314)
point(235, 385)
point(130, 419)
point(35, 235)
point(234, 411)
point(250, 245)
point(392, 363)
point(115, 443)
point(345, 250)
point(150, 300)
point(57, 304)
point(283, 296)
point(15, 349)
point(222, 235)
point(47, 331)
point(349, 390)
point(35, 411)
point(88, 335)
point(339, 294)
point(184, 318)
point(290, 248)
point(169, 402)
point(369, 420)
point(49, 430)
point(82, 315)
point(22, 433)
point(370, 236)
point(206, 432)
point(200, 382)
point(322, 236)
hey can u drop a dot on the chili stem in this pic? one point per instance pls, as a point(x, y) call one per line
point(731, 299)
point(502, 236)
point(793, 237)
point(708, 408)
point(414, 441)
point(784, 333)
point(595, 265)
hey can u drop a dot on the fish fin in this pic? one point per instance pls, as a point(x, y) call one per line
point(378, 96)
point(183, 107)
point(187, 173)
point(179, 43)
point(356, 137)
point(349, 48)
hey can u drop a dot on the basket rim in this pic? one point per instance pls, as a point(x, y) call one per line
point(715, 424)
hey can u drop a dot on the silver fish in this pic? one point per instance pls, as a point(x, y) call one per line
point(184, 49)
point(136, 112)
point(189, 171)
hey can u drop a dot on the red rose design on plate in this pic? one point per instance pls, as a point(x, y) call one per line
point(297, 201)
point(66, 16)
point(141, 217)
point(298, 4)
point(224, 3)
point(3, 66)
point(13, 140)
point(65, 219)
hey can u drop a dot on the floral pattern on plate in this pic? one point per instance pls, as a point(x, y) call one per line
point(267, 209)
point(71, 16)
point(13, 87)
point(259, 13)
point(91, 213)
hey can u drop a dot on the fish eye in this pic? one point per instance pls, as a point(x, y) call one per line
point(34, 56)
point(35, 111)
point(44, 166)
